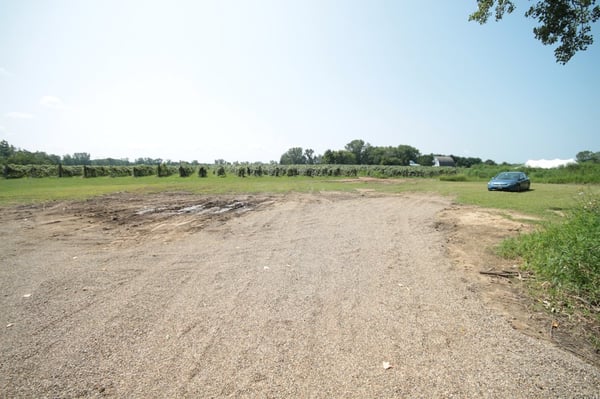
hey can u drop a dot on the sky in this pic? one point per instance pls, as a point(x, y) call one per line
point(247, 80)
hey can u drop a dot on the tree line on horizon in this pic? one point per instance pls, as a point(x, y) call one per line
point(9, 154)
point(356, 152)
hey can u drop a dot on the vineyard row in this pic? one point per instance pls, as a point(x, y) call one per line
point(258, 170)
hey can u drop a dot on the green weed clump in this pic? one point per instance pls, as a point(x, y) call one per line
point(453, 178)
point(143, 170)
point(186, 170)
point(565, 256)
point(202, 171)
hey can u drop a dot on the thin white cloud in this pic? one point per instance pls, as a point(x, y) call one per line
point(18, 115)
point(55, 103)
point(2, 129)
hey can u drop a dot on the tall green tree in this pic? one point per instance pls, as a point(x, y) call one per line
point(293, 156)
point(356, 147)
point(567, 21)
point(6, 150)
point(79, 158)
point(309, 154)
point(400, 155)
point(341, 157)
point(407, 153)
point(82, 158)
point(466, 162)
point(425, 160)
point(588, 156)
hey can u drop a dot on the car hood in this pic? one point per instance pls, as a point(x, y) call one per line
point(504, 180)
point(502, 183)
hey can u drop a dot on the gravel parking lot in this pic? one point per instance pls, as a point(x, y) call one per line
point(299, 295)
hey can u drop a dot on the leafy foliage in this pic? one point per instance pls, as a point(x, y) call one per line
point(341, 157)
point(78, 158)
point(6, 150)
point(293, 156)
point(566, 20)
point(103, 171)
point(588, 156)
point(143, 170)
point(202, 171)
point(17, 171)
point(108, 162)
point(400, 155)
point(334, 170)
point(358, 153)
point(356, 147)
point(582, 173)
point(186, 170)
point(12, 171)
point(164, 170)
point(70, 171)
point(466, 162)
point(220, 171)
point(566, 255)
point(11, 155)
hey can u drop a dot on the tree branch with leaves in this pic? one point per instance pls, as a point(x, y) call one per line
point(567, 21)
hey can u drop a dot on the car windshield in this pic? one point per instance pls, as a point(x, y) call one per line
point(508, 176)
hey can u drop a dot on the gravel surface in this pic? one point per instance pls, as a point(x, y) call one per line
point(303, 295)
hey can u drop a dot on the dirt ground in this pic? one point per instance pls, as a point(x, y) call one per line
point(299, 295)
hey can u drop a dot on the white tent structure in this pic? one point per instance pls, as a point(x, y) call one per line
point(548, 163)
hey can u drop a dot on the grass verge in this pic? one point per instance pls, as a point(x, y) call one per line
point(565, 259)
point(547, 201)
point(31, 190)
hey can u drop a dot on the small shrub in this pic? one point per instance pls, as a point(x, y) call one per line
point(119, 171)
point(164, 170)
point(144, 170)
point(71, 171)
point(88, 172)
point(186, 170)
point(292, 172)
point(14, 171)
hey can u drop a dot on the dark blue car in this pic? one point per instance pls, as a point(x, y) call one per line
point(509, 181)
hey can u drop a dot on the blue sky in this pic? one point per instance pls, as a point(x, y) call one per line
point(247, 80)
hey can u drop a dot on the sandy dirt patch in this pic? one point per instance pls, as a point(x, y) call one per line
point(312, 295)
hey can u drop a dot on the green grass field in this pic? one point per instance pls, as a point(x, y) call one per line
point(544, 200)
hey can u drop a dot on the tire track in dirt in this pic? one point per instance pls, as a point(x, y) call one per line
point(305, 297)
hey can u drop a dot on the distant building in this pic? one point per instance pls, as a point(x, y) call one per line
point(444, 161)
